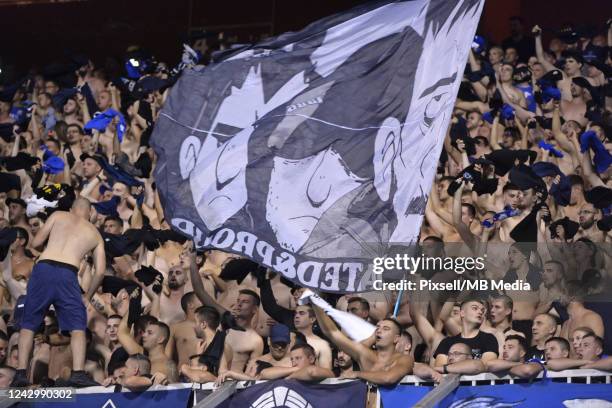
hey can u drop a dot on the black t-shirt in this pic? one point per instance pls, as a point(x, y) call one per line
point(480, 344)
point(535, 352)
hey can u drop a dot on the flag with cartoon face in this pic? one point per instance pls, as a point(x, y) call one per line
point(314, 151)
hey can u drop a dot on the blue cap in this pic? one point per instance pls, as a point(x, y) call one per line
point(279, 333)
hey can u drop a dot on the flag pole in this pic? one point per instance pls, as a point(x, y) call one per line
point(398, 302)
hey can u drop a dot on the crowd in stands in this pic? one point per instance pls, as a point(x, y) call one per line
point(525, 177)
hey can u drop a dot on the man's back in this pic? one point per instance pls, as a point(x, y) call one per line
point(70, 239)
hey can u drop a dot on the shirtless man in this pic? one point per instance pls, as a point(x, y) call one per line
point(54, 281)
point(183, 340)
point(302, 368)
point(17, 214)
point(154, 340)
point(137, 375)
point(279, 342)
point(439, 211)
point(587, 218)
point(303, 321)
point(71, 113)
point(575, 108)
point(553, 285)
point(344, 364)
point(74, 134)
point(170, 302)
point(511, 197)
point(359, 307)
point(525, 302)
point(473, 123)
point(571, 69)
point(92, 175)
point(499, 319)
point(591, 350)
point(246, 345)
point(506, 86)
point(577, 199)
point(580, 316)
point(21, 265)
point(207, 321)
point(379, 304)
point(112, 330)
point(383, 366)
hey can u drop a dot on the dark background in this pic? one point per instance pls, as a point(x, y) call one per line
point(35, 32)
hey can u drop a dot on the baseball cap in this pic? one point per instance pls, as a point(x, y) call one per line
point(279, 333)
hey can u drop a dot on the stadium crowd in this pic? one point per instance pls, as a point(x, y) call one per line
point(524, 177)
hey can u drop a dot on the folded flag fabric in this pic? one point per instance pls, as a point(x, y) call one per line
point(550, 92)
point(601, 158)
point(107, 207)
point(561, 191)
point(550, 148)
point(102, 120)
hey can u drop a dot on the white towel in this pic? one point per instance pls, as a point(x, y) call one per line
point(354, 326)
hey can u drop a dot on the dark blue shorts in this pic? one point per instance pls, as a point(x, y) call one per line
point(54, 283)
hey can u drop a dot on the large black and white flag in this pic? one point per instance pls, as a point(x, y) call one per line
point(313, 151)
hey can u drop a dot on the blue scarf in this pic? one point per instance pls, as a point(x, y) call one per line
point(602, 158)
point(101, 121)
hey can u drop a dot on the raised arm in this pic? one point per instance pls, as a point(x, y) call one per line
point(198, 286)
point(354, 349)
point(494, 134)
point(537, 33)
point(422, 324)
point(126, 339)
point(463, 230)
point(271, 307)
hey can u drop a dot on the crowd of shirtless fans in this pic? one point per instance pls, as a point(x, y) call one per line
point(526, 159)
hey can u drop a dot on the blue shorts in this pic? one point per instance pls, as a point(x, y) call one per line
point(54, 283)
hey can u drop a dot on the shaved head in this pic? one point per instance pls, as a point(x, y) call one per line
point(81, 206)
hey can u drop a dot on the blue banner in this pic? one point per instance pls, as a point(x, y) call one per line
point(535, 395)
point(148, 399)
point(290, 393)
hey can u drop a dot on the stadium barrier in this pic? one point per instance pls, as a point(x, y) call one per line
point(208, 396)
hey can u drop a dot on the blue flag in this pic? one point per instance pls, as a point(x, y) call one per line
point(533, 395)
